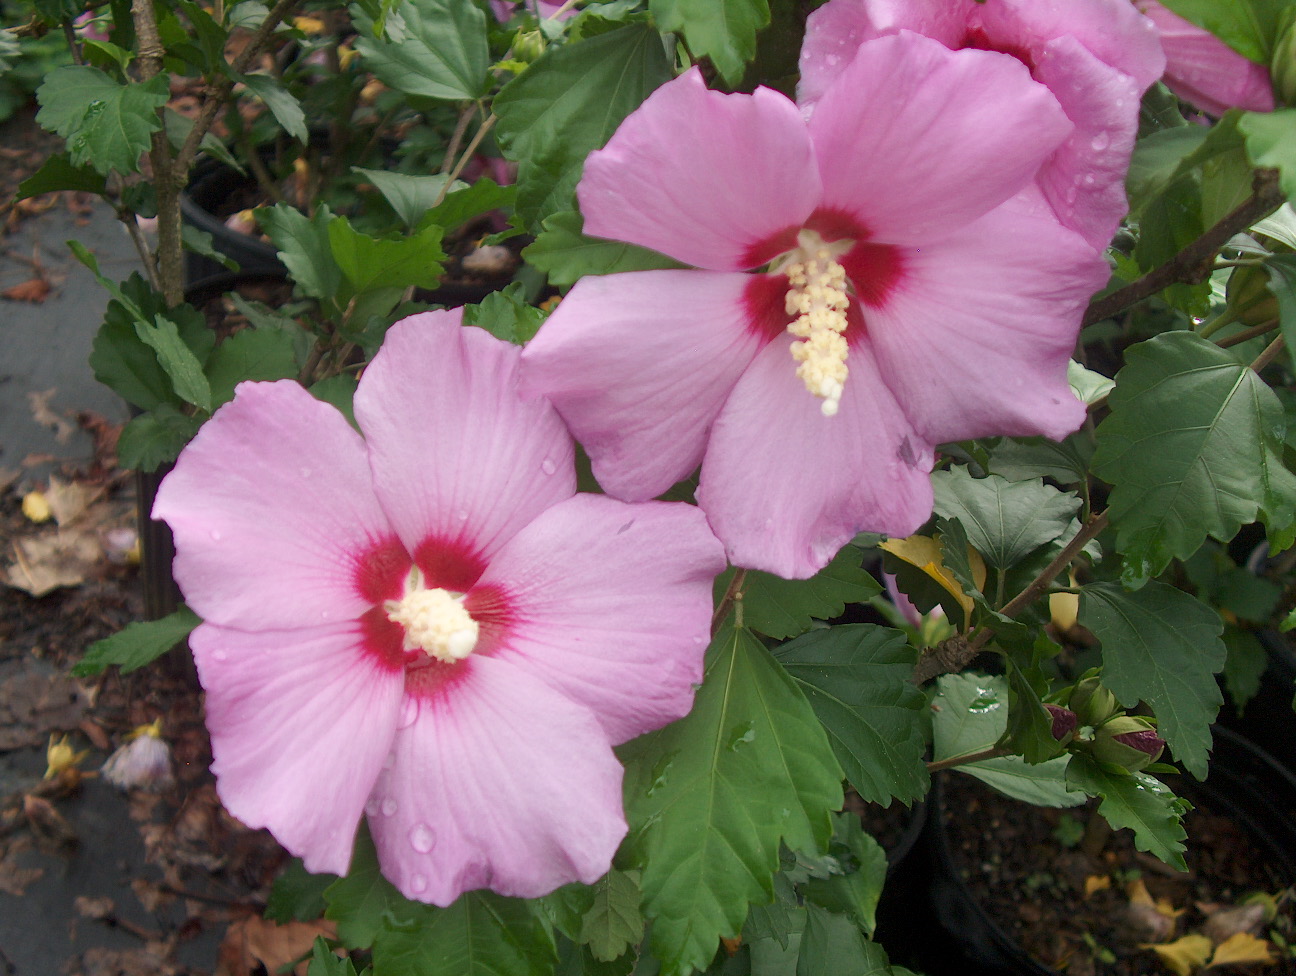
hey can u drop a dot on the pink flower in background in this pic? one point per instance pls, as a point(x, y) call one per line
point(1096, 56)
point(426, 625)
point(505, 9)
point(1203, 70)
point(911, 287)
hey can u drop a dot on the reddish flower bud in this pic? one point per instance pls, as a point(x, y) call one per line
point(1064, 722)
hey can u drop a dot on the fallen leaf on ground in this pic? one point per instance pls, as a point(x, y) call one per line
point(33, 700)
point(69, 500)
point(252, 941)
point(46, 417)
point(88, 907)
point(1183, 955)
point(41, 564)
point(14, 879)
point(150, 961)
point(34, 290)
point(1240, 949)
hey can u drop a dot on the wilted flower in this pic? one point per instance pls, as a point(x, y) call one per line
point(59, 756)
point(899, 227)
point(142, 762)
point(426, 625)
point(1097, 57)
point(1203, 70)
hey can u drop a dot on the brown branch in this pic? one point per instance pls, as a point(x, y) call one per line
point(1270, 353)
point(1193, 263)
point(732, 593)
point(1252, 333)
point(992, 753)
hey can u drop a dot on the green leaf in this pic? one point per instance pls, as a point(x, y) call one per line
point(613, 922)
point(137, 644)
point(566, 255)
point(178, 360)
point(283, 105)
point(480, 934)
point(856, 892)
point(325, 963)
point(781, 608)
point(711, 797)
point(1244, 666)
point(432, 48)
point(506, 315)
point(1192, 448)
point(461, 206)
point(1024, 458)
point(304, 248)
point(1282, 282)
point(833, 944)
point(107, 124)
point(1005, 521)
point(371, 263)
point(571, 100)
point(340, 392)
point(1162, 646)
point(970, 715)
point(1271, 142)
point(58, 173)
point(410, 196)
point(1247, 26)
point(297, 894)
point(363, 901)
point(722, 30)
point(200, 242)
point(857, 679)
point(1086, 384)
point(252, 354)
point(1137, 801)
point(178, 127)
point(155, 438)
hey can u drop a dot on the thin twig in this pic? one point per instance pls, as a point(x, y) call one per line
point(732, 593)
point(1271, 352)
point(467, 155)
point(1247, 334)
point(456, 137)
point(992, 753)
point(1193, 263)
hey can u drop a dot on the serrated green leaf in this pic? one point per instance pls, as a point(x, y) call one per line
point(576, 960)
point(1005, 521)
point(1282, 282)
point(1247, 26)
point(834, 944)
point(1244, 666)
point(1192, 449)
point(776, 921)
point(722, 30)
point(1030, 727)
point(178, 360)
point(506, 315)
point(410, 196)
point(613, 923)
point(430, 48)
point(58, 173)
point(339, 391)
point(325, 963)
point(1162, 646)
point(371, 263)
point(137, 644)
point(200, 242)
point(252, 354)
point(480, 934)
point(1271, 142)
point(711, 797)
point(781, 608)
point(969, 715)
point(1021, 459)
point(856, 892)
point(107, 124)
point(1137, 801)
point(363, 901)
point(461, 206)
point(857, 679)
point(303, 245)
point(566, 255)
point(1088, 385)
point(155, 438)
point(297, 895)
point(570, 102)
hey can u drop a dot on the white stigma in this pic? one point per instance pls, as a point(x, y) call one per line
point(817, 296)
point(435, 621)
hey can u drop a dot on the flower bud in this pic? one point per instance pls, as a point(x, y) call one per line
point(528, 46)
point(1129, 742)
point(1092, 703)
point(1064, 722)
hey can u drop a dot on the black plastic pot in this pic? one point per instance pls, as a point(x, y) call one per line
point(215, 188)
point(1245, 783)
point(1268, 718)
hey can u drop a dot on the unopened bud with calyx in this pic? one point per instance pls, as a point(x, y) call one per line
point(1092, 703)
point(528, 46)
point(1064, 723)
point(1128, 741)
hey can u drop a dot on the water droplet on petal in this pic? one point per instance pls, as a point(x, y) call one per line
point(547, 466)
point(215, 535)
point(388, 807)
point(305, 472)
point(371, 807)
point(418, 884)
point(463, 516)
point(1100, 142)
point(219, 655)
point(421, 838)
point(1090, 179)
point(409, 712)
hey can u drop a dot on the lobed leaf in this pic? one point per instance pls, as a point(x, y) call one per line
point(566, 255)
point(107, 124)
point(429, 48)
point(1137, 801)
point(138, 644)
point(1005, 521)
point(722, 30)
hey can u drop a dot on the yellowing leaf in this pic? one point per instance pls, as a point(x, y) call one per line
point(1096, 882)
point(1138, 894)
point(1242, 948)
point(1183, 955)
point(925, 553)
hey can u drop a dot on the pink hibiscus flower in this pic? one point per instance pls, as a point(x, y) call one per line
point(899, 226)
point(1203, 70)
point(426, 625)
point(1096, 56)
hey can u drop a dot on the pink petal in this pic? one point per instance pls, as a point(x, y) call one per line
point(976, 339)
point(835, 31)
point(611, 606)
point(498, 781)
point(272, 505)
point(460, 460)
point(300, 723)
point(785, 487)
point(639, 365)
point(1204, 70)
point(702, 176)
point(1084, 180)
point(942, 137)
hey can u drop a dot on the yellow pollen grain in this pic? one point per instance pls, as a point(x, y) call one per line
point(817, 297)
point(435, 622)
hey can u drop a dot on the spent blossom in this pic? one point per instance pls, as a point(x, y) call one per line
point(1097, 57)
point(866, 284)
point(426, 625)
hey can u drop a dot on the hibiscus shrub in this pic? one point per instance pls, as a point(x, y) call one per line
point(892, 338)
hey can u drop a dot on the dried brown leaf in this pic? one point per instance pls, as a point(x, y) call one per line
point(43, 563)
point(252, 941)
point(34, 290)
point(42, 413)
